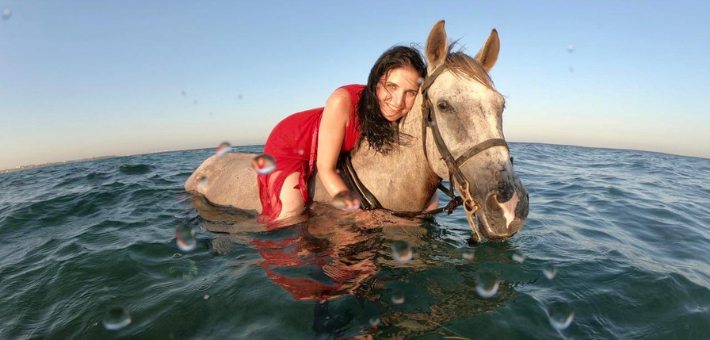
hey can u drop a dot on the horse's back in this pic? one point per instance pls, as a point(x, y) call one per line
point(227, 180)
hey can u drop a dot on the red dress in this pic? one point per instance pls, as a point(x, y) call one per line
point(294, 145)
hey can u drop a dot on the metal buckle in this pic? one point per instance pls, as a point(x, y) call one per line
point(471, 207)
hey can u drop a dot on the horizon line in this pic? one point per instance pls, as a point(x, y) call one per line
point(48, 164)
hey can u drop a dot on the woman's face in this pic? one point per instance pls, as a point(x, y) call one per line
point(396, 92)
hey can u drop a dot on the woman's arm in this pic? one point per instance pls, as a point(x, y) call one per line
point(331, 134)
point(433, 202)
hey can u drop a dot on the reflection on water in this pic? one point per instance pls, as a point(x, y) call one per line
point(333, 258)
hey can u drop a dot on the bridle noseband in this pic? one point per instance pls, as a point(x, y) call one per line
point(453, 164)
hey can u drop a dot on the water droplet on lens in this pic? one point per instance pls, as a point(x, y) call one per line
point(263, 164)
point(185, 238)
point(346, 200)
point(561, 315)
point(201, 181)
point(223, 149)
point(397, 299)
point(6, 14)
point(374, 322)
point(518, 257)
point(467, 254)
point(486, 284)
point(550, 271)
point(206, 297)
point(116, 318)
point(401, 252)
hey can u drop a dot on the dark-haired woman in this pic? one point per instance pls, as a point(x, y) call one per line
point(317, 137)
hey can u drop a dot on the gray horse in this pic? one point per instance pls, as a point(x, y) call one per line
point(455, 132)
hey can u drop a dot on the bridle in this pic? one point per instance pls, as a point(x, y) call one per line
point(368, 201)
point(453, 164)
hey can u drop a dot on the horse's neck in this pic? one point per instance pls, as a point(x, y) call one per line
point(411, 125)
point(401, 180)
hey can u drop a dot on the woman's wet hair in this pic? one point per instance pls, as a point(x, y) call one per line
point(380, 133)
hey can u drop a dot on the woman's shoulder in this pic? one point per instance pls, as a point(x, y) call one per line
point(351, 92)
point(353, 87)
point(340, 97)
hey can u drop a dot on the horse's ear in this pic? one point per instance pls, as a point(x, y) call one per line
point(488, 55)
point(437, 46)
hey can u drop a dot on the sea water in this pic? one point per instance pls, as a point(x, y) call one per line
point(616, 245)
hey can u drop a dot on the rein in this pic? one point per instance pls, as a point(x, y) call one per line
point(368, 201)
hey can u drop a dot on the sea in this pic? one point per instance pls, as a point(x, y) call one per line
point(616, 246)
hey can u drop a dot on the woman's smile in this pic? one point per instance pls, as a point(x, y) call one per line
point(396, 92)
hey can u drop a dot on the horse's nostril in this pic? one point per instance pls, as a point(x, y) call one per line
point(505, 192)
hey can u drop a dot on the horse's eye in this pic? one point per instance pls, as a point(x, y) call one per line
point(443, 106)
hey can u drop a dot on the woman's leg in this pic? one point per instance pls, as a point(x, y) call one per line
point(291, 198)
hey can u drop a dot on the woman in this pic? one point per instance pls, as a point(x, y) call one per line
point(317, 137)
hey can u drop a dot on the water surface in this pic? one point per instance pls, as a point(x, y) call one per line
point(627, 233)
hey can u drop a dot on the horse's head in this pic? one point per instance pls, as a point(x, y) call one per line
point(465, 142)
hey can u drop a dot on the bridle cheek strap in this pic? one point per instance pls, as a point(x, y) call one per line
point(453, 165)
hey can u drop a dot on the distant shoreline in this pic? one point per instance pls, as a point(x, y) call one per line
point(44, 165)
point(35, 166)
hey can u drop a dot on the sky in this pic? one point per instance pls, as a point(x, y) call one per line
point(86, 78)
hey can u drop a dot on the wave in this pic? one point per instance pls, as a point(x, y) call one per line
point(135, 169)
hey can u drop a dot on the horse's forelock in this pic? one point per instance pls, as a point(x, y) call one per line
point(461, 64)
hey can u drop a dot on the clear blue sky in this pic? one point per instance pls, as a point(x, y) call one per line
point(90, 78)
